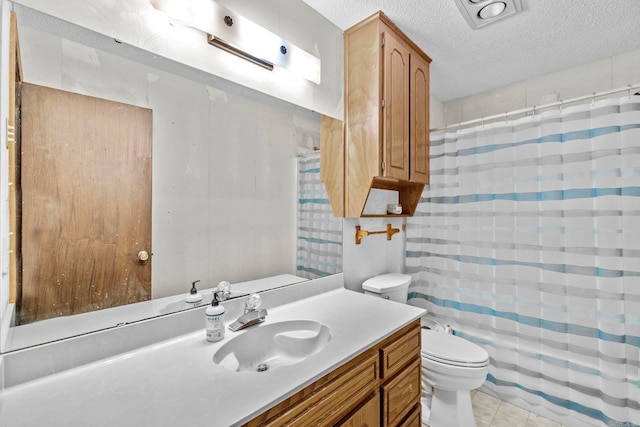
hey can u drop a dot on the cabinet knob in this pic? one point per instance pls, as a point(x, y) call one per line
point(143, 256)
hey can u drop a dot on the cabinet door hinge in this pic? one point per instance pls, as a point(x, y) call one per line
point(383, 104)
point(382, 166)
point(383, 40)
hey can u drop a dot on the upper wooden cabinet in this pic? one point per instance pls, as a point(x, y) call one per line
point(386, 127)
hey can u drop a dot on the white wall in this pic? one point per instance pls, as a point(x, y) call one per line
point(607, 74)
point(375, 254)
point(436, 113)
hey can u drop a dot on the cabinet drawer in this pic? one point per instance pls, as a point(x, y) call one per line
point(400, 395)
point(399, 352)
point(328, 399)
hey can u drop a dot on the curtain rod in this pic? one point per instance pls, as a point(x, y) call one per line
point(533, 109)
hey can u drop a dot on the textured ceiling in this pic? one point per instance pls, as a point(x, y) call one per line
point(549, 35)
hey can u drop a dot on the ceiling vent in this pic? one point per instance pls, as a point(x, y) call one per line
point(479, 13)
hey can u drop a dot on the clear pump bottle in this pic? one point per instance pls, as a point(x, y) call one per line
point(215, 320)
point(194, 298)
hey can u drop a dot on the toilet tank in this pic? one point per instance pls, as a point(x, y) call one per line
point(392, 286)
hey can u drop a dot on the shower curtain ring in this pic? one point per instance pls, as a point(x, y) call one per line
point(629, 91)
point(593, 99)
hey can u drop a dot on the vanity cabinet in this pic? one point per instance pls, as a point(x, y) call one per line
point(379, 387)
point(368, 414)
point(386, 121)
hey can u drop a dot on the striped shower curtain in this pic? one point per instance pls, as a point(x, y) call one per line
point(528, 242)
point(319, 233)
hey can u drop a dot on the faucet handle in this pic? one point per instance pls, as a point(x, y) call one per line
point(223, 290)
point(253, 302)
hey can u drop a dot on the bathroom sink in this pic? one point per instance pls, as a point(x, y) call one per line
point(269, 346)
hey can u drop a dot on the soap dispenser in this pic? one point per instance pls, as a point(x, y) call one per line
point(215, 320)
point(194, 298)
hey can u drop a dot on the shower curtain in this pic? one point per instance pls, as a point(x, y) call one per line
point(528, 242)
point(319, 233)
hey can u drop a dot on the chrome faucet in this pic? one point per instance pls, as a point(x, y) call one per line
point(223, 290)
point(252, 314)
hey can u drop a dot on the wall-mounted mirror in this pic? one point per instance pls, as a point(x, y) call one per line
point(233, 192)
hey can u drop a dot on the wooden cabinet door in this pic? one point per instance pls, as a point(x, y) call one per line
point(86, 203)
point(396, 107)
point(400, 395)
point(419, 120)
point(367, 415)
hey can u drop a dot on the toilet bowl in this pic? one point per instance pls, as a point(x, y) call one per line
point(451, 366)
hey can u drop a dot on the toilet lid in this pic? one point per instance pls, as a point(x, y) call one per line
point(452, 350)
point(386, 282)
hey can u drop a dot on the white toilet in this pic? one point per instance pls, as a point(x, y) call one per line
point(451, 366)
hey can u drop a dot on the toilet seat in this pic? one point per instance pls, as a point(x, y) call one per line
point(451, 350)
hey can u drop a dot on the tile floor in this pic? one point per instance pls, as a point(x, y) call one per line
point(492, 412)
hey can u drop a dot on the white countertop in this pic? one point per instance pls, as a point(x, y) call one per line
point(176, 383)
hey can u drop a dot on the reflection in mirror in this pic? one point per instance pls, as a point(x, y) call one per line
point(234, 182)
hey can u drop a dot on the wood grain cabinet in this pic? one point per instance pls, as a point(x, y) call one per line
point(367, 415)
point(386, 122)
point(379, 387)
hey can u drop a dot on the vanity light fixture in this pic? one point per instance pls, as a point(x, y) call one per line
point(242, 37)
point(479, 13)
point(219, 43)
